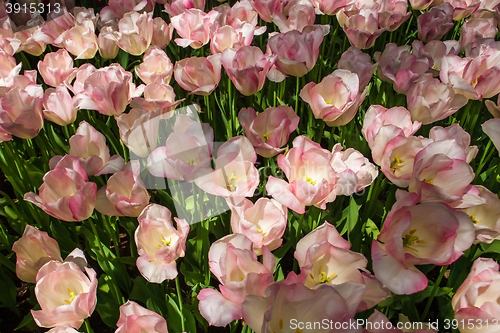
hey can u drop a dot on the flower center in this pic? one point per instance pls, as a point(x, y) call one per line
point(323, 278)
point(193, 162)
point(72, 295)
point(166, 242)
point(310, 180)
point(232, 182)
point(263, 234)
point(429, 181)
point(266, 137)
point(396, 163)
point(410, 239)
point(473, 218)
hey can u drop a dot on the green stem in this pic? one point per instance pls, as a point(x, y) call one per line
point(180, 301)
point(87, 326)
point(297, 87)
point(434, 291)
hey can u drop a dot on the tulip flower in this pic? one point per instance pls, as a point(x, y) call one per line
point(264, 222)
point(116, 9)
point(33, 250)
point(162, 33)
point(392, 14)
point(67, 296)
point(187, 150)
point(123, 195)
point(158, 97)
point(462, 9)
point(477, 298)
point(62, 330)
point(107, 46)
point(56, 67)
point(134, 318)
point(229, 37)
point(156, 66)
point(434, 51)
point(59, 106)
point(177, 7)
point(361, 27)
point(200, 76)
point(108, 90)
point(475, 30)
point(240, 273)
point(297, 52)
point(328, 7)
point(427, 233)
point(81, 41)
point(193, 26)
point(139, 131)
point(336, 98)
point(285, 301)
point(266, 8)
point(268, 131)
point(311, 178)
point(66, 193)
point(357, 62)
point(296, 15)
point(81, 75)
point(435, 23)
point(492, 129)
point(135, 32)
point(159, 244)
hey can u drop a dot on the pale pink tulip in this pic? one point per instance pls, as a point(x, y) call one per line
point(28, 40)
point(177, 7)
point(264, 222)
point(108, 90)
point(139, 131)
point(457, 133)
point(329, 7)
point(399, 67)
point(66, 295)
point(229, 37)
point(463, 8)
point(493, 108)
point(162, 33)
point(198, 75)
point(82, 73)
point(247, 68)
point(107, 46)
point(54, 30)
point(311, 178)
point(361, 26)
point(8, 66)
point(268, 131)
point(477, 298)
point(429, 100)
point(427, 233)
point(240, 273)
point(187, 150)
point(59, 106)
point(194, 28)
point(297, 52)
point(21, 108)
point(136, 319)
point(296, 15)
point(116, 9)
point(62, 330)
point(285, 301)
point(435, 23)
point(159, 244)
point(81, 41)
point(392, 14)
point(492, 129)
point(123, 195)
point(66, 193)
point(56, 67)
point(475, 30)
point(266, 8)
point(434, 51)
point(135, 32)
point(336, 98)
point(90, 146)
point(33, 250)
point(158, 97)
point(423, 4)
point(156, 67)
point(241, 12)
point(357, 62)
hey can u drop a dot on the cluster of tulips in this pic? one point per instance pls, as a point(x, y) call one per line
point(438, 214)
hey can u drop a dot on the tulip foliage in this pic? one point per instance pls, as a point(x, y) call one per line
point(250, 166)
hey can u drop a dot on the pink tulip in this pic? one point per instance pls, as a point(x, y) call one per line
point(135, 32)
point(457, 133)
point(158, 97)
point(241, 12)
point(329, 7)
point(297, 52)
point(159, 244)
point(336, 98)
point(8, 66)
point(266, 8)
point(33, 250)
point(54, 30)
point(357, 62)
point(435, 23)
point(21, 108)
point(269, 130)
point(59, 106)
point(81, 41)
point(477, 298)
point(107, 46)
point(399, 67)
point(194, 28)
point(493, 108)
point(81, 75)
point(392, 14)
point(162, 33)
point(285, 301)
point(429, 100)
point(28, 40)
point(123, 195)
point(62, 330)
point(139, 131)
point(116, 9)
point(361, 26)
point(66, 193)
point(177, 7)
point(156, 66)
point(296, 15)
point(235, 175)
point(198, 75)
point(90, 146)
point(108, 90)
point(311, 178)
point(355, 171)
point(247, 68)
point(136, 319)
point(264, 222)
point(475, 30)
point(56, 67)
point(229, 37)
point(463, 8)
point(187, 150)
point(492, 129)
point(434, 51)
point(427, 233)
point(240, 273)
point(66, 295)
point(423, 4)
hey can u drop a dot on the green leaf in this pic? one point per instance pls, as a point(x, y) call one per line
point(107, 307)
point(173, 315)
point(28, 320)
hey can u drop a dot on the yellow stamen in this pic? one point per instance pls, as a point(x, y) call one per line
point(266, 137)
point(232, 181)
point(395, 164)
point(73, 295)
point(429, 181)
point(192, 161)
point(410, 239)
point(309, 180)
point(473, 218)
